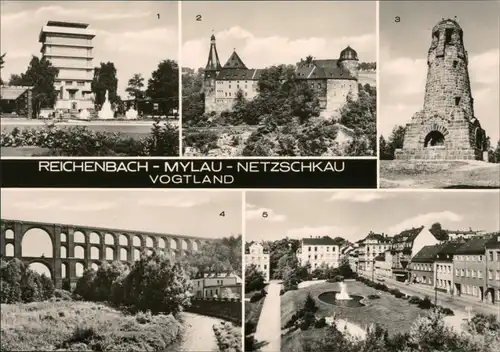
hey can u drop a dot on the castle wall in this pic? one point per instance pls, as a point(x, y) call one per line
point(210, 95)
point(352, 66)
point(337, 91)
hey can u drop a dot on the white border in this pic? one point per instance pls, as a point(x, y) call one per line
point(243, 265)
point(377, 85)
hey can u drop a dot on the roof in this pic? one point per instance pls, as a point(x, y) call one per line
point(451, 247)
point(213, 63)
point(217, 276)
point(408, 235)
point(494, 242)
point(427, 253)
point(474, 246)
point(242, 74)
point(379, 237)
point(67, 24)
point(348, 54)
point(330, 70)
point(12, 92)
point(235, 62)
point(322, 241)
point(249, 244)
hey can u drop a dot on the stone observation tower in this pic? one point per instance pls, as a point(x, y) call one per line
point(446, 128)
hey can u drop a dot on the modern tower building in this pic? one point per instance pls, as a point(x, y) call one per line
point(68, 46)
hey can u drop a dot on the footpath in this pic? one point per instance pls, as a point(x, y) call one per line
point(269, 325)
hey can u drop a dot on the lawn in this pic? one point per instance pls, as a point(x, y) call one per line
point(439, 174)
point(394, 314)
point(70, 325)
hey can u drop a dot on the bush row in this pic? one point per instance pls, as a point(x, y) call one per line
point(227, 299)
point(18, 283)
point(305, 318)
point(258, 296)
point(424, 303)
point(227, 310)
point(228, 337)
point(163, 140)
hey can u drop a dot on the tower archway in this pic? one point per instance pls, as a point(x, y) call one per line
point(434, 139)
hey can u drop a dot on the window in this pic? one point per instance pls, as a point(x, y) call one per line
point(490, 274)
point(229, 86)
point(309, 249)
point(448, 33)
point(498, 256)
point(479, 274)
point(315, 249)
point(490, 253)
point(246, 94)
point(455, 63)
point(80, 83)
point(72, 95)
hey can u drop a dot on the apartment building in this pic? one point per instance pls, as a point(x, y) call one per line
point(371, 247)
point(443, 266)
point(405, 245)
point(469, 264)
point(68, 46)
point(492, 258)
point(258, 254)
point(421, 267)
point(319, 251)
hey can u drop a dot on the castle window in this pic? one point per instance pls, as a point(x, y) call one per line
point(238, 86)
point(246, 81)
point(226, 94)
point(457, 101)
point(245, 86)
point(237, 81)
point(229, 93)
point(246, 93)
point(229, 86)
point(455, 63)
point(448, 33)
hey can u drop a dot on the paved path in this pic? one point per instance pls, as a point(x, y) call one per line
point(199, 335)
point(269, 325)
point(444, 299)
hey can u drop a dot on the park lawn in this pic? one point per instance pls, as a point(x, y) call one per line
point(394, 314)
point(442, 174)
point(24, 151)
point(71, 325)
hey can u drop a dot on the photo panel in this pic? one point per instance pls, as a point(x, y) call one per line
point(89, 269)
point(279, 78)
point(343, 273)
point(439, 95)
point(89, 78)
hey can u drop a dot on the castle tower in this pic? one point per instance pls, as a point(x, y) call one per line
point(445, 129)
point(349, 61)
point(209, 83)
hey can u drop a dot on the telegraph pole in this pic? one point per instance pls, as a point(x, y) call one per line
point(435, 285)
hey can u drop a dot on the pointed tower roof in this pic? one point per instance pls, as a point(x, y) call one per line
point(235, 62)
point(213, 63)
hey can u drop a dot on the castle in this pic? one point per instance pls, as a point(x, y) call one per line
point(446, 128)
point(331, 79)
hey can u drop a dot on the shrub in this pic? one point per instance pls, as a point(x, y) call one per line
point(446, 311)
point(425, 303)
point(282, 292)
point(414, 300)
point(320, 323)
point(250, 327)
point(256, 297)
point(204, 140)
point(373, 297)
point(63, 295)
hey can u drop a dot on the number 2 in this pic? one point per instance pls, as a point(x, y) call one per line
point(198, 17)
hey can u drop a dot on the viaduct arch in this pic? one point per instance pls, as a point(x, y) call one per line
point(86, 246)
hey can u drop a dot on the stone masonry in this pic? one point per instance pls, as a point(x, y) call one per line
point(446, 128)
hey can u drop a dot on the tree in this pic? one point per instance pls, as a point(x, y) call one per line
point(2, 62)
point(157, 284)
point(394, 142)
point(105, 82)
point(31, 287)
point(494, 154)
point(47, 287)
point(11, 274)
point(41, 76)
point(16, 80)
point(85, 285)
point(254, 279)
point(438, 232)
point(135, 87)
point(384, 149)
point(104, 279)
point(163, 87)
point(193, 100)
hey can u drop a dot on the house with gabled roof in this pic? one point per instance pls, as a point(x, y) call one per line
point(320, 250)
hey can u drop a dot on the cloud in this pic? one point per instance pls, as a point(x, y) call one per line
point(176, 201)
point(484, 67)
point(425, 219)
point(62, 205)
point(349, 233)
point(17, 19)
point(263, 51)
point(254, 213)
point(357, 197)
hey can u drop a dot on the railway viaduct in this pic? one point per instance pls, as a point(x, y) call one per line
point(80, 247)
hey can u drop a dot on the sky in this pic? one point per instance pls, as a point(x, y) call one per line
point(353, 214)
point(403, 58)
point(129, 33)
point(190, 213)
point(281, 32)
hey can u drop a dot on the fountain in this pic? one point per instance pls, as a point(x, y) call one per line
point(131, 114)
point(84, 114)
point(343, 295)
point(106, 113)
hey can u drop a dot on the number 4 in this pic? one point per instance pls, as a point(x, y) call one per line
point(222, 213)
